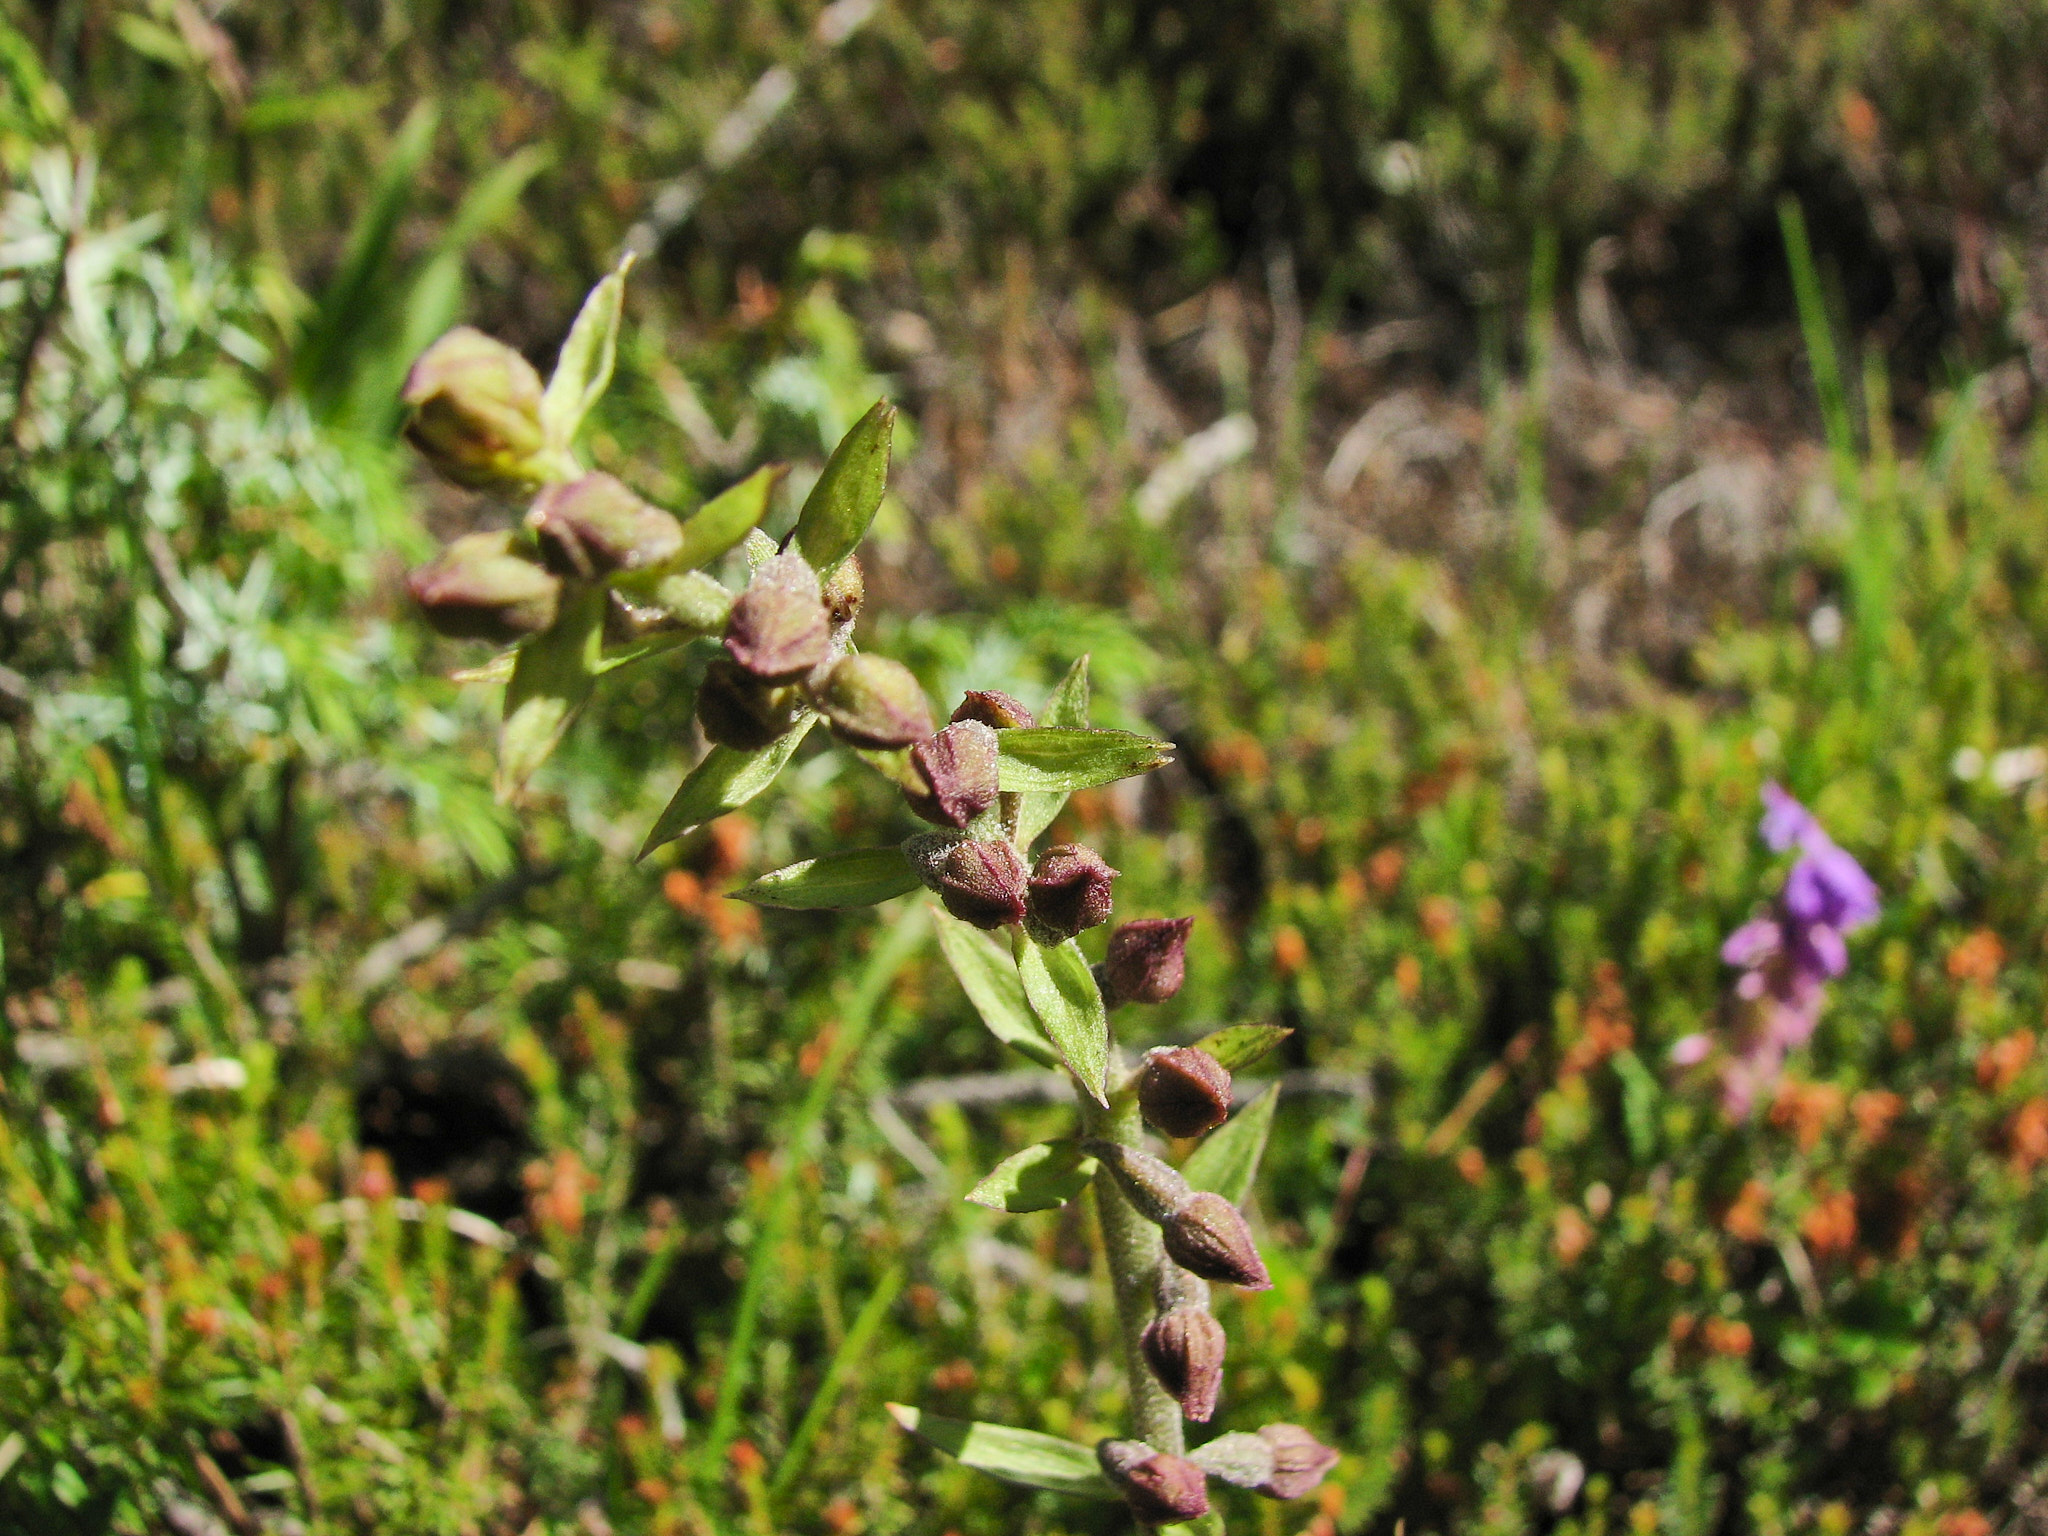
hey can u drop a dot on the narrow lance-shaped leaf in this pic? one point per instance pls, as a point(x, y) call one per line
point(1060, 760)
point(859, 877)
point(1068, 1005)
point(723, 781)
point(1228, 1161)
point(1040, 1178)
point(988, 975)
point(727, 518)
point(1067, 709)
point(584, 369)
point(551, 680)
point(1210, 1524)
point(1015, 1455)
point(843, 503)
point(1239, 1045)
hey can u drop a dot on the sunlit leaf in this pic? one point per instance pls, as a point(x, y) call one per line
point(583, 371)
point(1040, 1178)
point(723, 781)
point(551, 681)
point(988, 975)
point(1067, 709)
point(859, 877)
point(1068, 1006)
point(1240, 1045)
point(1060, 760)
point(1228, 1161)
point(1015, 1455)
point(843, 503)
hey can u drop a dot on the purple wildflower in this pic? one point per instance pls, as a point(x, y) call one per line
point(1788, 956)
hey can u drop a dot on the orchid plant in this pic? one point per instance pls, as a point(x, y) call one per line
point(1787, 956)
point(595, 578)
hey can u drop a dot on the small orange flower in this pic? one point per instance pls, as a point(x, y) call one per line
point(1728, 1336)
point(1744, 1220)
point(1407, 977)
point(1977, 958)
point(2003, 1060)
point(1290, 950)
point(1572, 1236)
point(1830, 1226)
point(1874, 1110)
point(2026, 1136)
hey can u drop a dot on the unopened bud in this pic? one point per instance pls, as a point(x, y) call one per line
point(1156, 1189)
point(1161, 1489)
point(996, 710)
point(476, 412)
point(478, 589)
point(1183, 1091)
point(871, 701)
point(779, 629)
point(1069, 892)
point(1147, 960)
point(952, 776)
point(697, 601)
point(1184, 1345)
point(593, 526)
point(980, 881)
point(1299, 1461)
point(844, 591)
point(740, 711)
point(1207, 1236)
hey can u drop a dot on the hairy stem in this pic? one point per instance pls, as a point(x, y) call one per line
point(1131, 1245)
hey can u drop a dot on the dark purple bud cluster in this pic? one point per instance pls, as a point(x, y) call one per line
point(952, 777)
point(1147, 960)
point(1202, 1232)
point(1161, 1489)
point(476, 412)
point(1280, 1461)
point(979, 880)
point(1184, 1346)
point(593, 526)
point(1183, 1091)
point(481, 587)
point(1069, 893)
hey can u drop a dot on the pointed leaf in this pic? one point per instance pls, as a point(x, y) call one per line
point(989, 977)
point(1061, 760)
point(843, 503)
point(584, 369)
point(859, 877)
point(1040, 1178)
point(1068, 1005)
point(1015, 1455)
point(1228, 1161)
point(1210, 1524)
point(551, 680)
point(727, 518)
point(1067, 709)
point(1240, 1045)
point(724, 781)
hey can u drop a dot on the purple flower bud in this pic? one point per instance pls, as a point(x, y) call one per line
point(1160, 1489)
point(594, 525)
point(779, 629)
point(1156, 1189)
point(1785, 821)
point(952, 777)
point(979, 881)
point(1184, 1345)
point(1147, 960)
point(871, 701)
point(1069, 892)
point(740, 711)
point(478, 589)
point(476, 412)
point(1183, 1091)
point(1299, 1461)
point(1828, 886)
point(996, 710)
point(1207, 1236)
point(844, 591)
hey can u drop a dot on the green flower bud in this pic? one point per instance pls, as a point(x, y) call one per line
point(1147, 960)
point(1161, 1489)
point(1207, 1236)
point(1156, 1189)
point(779, 629)
point(980, 881)
point(844, 591)
point(476, 412)
point(996, 710)
point(696, 600)
point(870, 701)
point(740, 711)
point(952, 776)
point(1069, 893)
point(478, 589)
point(1299, 1461)
point(1183, 1091)
point(593, 526)
point(1184, 1345)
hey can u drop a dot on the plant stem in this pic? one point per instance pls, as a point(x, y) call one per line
point(1131, 1245)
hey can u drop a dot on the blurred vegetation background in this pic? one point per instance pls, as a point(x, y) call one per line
point(1491, 440)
